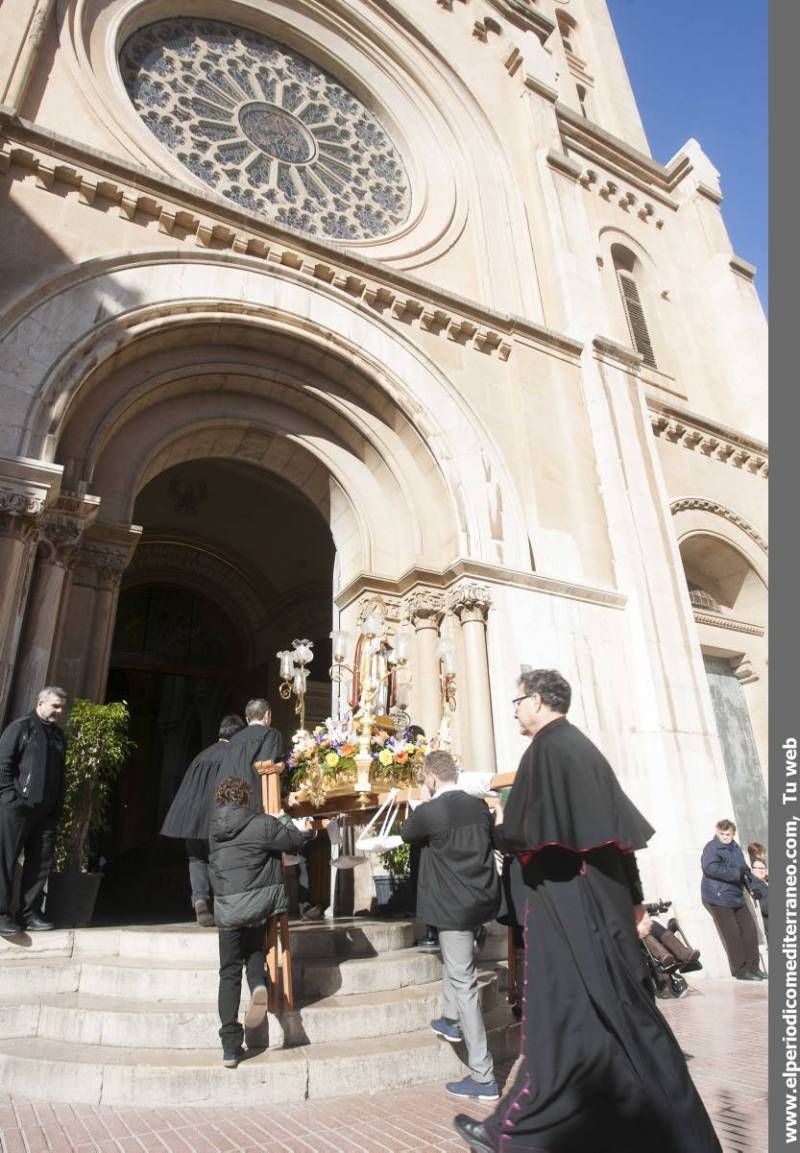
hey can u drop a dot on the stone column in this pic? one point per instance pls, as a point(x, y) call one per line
point(425, 609)
point(471, 603)
point(26, 487)
point(58, 536)
point(18, 533)
point(89, 610)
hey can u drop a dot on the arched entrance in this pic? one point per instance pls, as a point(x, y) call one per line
point(203, 608)
point(724, 561)
point(191, 431)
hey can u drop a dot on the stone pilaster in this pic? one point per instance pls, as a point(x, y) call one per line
point(60, 531)
point(425, 608)
point(18, 532)
point(470, 603)
point(90, 608)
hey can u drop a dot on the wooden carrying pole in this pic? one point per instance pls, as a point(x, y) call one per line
point(277, 926)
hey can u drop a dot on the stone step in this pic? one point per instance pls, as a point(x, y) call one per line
point(82, 1018)
point(351, 937)
point(344, 937)
point(103, 1074)
point(157, 979)
point(30, 976)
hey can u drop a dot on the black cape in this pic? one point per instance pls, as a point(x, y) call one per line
point(601, 1071)
point(189, 815)
point(565, 793)
point(253, 743)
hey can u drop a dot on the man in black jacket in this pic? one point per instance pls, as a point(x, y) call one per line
point(458, 890)
point(245, 865)
point(258, 741)
point(32, 752)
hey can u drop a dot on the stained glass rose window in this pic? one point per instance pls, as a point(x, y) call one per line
point(266, 127)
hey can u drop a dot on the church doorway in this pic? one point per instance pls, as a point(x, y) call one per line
point(232, 565)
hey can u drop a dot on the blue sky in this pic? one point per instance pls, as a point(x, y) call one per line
point(699, 68)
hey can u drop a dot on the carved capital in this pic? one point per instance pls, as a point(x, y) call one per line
point(21, 502)
point(107, 549)
point(59, 535)
point(470, 602)
point(425, 608)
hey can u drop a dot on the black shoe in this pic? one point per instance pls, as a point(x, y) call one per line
point(8, 926)
point(429, 944)
point(36, 924)
point(473, 1133)
point(748, 977)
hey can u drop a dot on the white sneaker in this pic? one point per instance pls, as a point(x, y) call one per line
point(257, 1009)
point(314, 913)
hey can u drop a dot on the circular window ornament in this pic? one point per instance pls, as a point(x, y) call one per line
point(266, 127)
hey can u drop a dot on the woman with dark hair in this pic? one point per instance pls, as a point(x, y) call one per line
point(190, 813)
point(601, 1072)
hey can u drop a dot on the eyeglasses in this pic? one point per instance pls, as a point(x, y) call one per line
point(516, 701)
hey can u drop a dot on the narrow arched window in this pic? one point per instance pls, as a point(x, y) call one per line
point(626, 266)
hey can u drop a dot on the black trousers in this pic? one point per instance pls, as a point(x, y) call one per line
point(737, 931)
point(197, 852)
point(237, 948)
point(31, 831)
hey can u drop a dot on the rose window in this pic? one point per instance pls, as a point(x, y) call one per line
point(266, 127)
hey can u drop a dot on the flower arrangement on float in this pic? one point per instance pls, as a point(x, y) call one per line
point(324, 759)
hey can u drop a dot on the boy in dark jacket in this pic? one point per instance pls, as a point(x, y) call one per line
point(725, 874)
point(458, 890)
point(245, 865)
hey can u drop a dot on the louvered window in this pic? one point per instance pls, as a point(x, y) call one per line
point(634, 314)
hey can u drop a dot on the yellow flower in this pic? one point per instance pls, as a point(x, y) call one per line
point(332, 760)
point(385, 758)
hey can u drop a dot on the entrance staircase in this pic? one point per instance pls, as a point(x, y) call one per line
point(128, 1016)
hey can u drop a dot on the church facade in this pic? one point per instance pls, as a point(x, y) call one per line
point(308, 306)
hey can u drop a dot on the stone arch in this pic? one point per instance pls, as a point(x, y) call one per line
point(725, 564)
point(624, 256)
point(369, 377)
point(192, 565)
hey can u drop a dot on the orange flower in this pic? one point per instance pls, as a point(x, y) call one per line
point(347, 749)
point(401, 757)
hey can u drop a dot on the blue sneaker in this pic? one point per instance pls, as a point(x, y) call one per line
point(475, 1090)
point(450, 1030)
point(232, 1059)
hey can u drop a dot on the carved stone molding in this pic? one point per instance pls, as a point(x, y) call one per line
point(144, 199)
point(425, 608)
point(744, 671)
point(470, 602)
point(721, 445)
point(718, 621)
point(15, 502)
point(701, 504)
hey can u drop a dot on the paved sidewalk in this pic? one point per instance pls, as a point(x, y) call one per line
point(722, 1024)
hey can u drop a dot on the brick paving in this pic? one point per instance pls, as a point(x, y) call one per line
point(722, 1025)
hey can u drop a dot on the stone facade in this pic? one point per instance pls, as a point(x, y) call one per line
point(522, 398)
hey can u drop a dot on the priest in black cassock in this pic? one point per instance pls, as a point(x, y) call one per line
point(189, 815)
point(258, 741)
point(601, 1071)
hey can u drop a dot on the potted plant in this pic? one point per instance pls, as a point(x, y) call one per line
point(393, 891)
point(97, 748)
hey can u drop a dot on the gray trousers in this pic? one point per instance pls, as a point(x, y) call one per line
point(461, 998)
